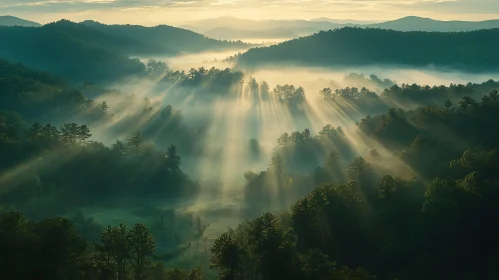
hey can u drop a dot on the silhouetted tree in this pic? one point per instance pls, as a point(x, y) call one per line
point(135, 143)
point(172, 159)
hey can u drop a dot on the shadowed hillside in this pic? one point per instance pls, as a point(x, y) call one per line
point(470, 51)
point(15, 21)
point(164, 36)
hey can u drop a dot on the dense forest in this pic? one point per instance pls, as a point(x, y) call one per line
point(211, 173)
point(91, 51)
point(349, 46)
point(166, 37)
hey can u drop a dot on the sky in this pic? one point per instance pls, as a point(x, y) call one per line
point(177, 12)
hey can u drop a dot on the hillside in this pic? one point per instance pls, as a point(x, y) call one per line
point(431, 25)
point(250, 24)
point(40, 96)
point(471, 51)
point(15, 21)
point(163, 36)
point(103, 50)
point(73, 51)
point(244, 26)
point(225, 26)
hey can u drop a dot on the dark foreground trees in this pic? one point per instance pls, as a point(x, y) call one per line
point(266, 249)
point(53, 249)
point(67, 170)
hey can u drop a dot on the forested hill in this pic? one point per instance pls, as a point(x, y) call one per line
point(95, 52)
point(413, 23)
point(37, 95)
point(178, 39)
point(15, 21)
point(73, 51)
point(470, 51)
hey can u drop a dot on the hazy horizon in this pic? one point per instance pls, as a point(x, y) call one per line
point(241, 146)
point(153, 12)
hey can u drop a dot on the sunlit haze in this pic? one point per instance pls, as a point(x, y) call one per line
point(249, 139)
point(176, 12)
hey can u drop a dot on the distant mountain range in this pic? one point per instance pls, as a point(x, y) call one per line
point(346, 21)
point(232, 28)
point(76, 50)
point(166, 37)
point(427, 24)
point(228, 33)
point(96, 52)
point(235, 28)
point(72, 50)
point(15, 21)
point(162, 38)
point(352, 46)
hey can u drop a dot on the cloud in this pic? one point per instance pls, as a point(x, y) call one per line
point(354, 9)
point(90, 4)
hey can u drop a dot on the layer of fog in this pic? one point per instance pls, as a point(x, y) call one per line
point(314, 79)
point(196, 60)
point(264, 41)
point(232, 123)
point(229, 123)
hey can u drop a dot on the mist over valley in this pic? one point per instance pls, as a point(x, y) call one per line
point(231, 148)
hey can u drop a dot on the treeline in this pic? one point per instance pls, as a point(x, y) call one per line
point(421, 223)
point(412, 194)
point(213, 80)
point(265, 249)
point(229, 83)
point(54, 249)
point(46, 48)
point(392, 225)
point(295, 157)
point(467, 51)
point(49, 171)
point(429, 132)
point(367, 95)
point(38, 95)
point(357, 102)
point(93, 52)
point(166, 38)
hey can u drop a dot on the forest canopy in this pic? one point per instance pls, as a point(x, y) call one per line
point(219, 173)
point(466, 51)
point(94, 52)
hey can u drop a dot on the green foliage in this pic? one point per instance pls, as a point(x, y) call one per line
point(226, 255)
point(67, 171)
point(426, 205)
point(289, 94)
point(277, 165)
point(330, 133)
point(49, 249)
point(53, 249)
point(331, 163)
point(135, 143)
point(72, 133)
point(215, 82)
point(172, 159)
point(100, 57)
point(164, 38)
point(362, 47)
point(102, 50)
point(387, 186)
point(42, 96)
